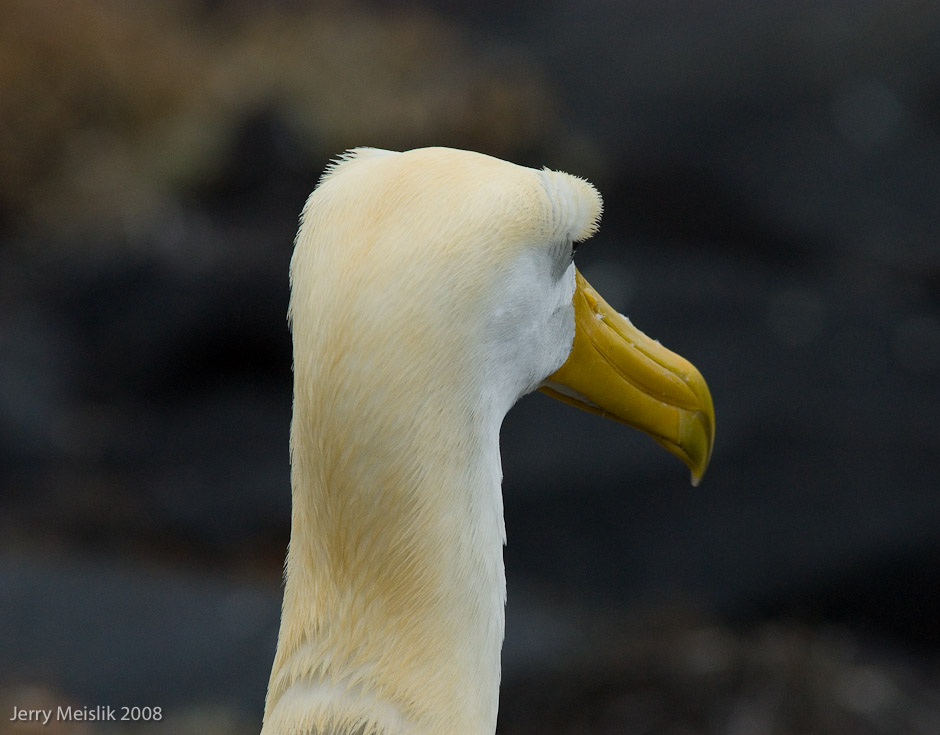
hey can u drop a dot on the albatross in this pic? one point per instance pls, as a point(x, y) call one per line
point(430, 290)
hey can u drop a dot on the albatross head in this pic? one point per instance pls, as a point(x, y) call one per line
point(432, 289)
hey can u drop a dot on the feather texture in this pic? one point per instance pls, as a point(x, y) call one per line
point(429, 291)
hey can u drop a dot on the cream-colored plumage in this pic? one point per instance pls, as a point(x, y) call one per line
point(430, 290)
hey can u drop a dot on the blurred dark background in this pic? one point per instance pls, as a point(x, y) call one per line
point(771, 176)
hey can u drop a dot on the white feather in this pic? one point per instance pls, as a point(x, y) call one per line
point(430, 290)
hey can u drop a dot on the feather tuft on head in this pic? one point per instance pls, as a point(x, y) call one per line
point(576, 205)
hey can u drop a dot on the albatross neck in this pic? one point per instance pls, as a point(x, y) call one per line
point(393, 616)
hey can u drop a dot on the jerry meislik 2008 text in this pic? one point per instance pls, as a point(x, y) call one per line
point(101, 713)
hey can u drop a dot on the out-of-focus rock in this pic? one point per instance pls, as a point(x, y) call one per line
point(674, 673)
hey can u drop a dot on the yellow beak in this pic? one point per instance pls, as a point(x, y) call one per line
point(615, 370)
